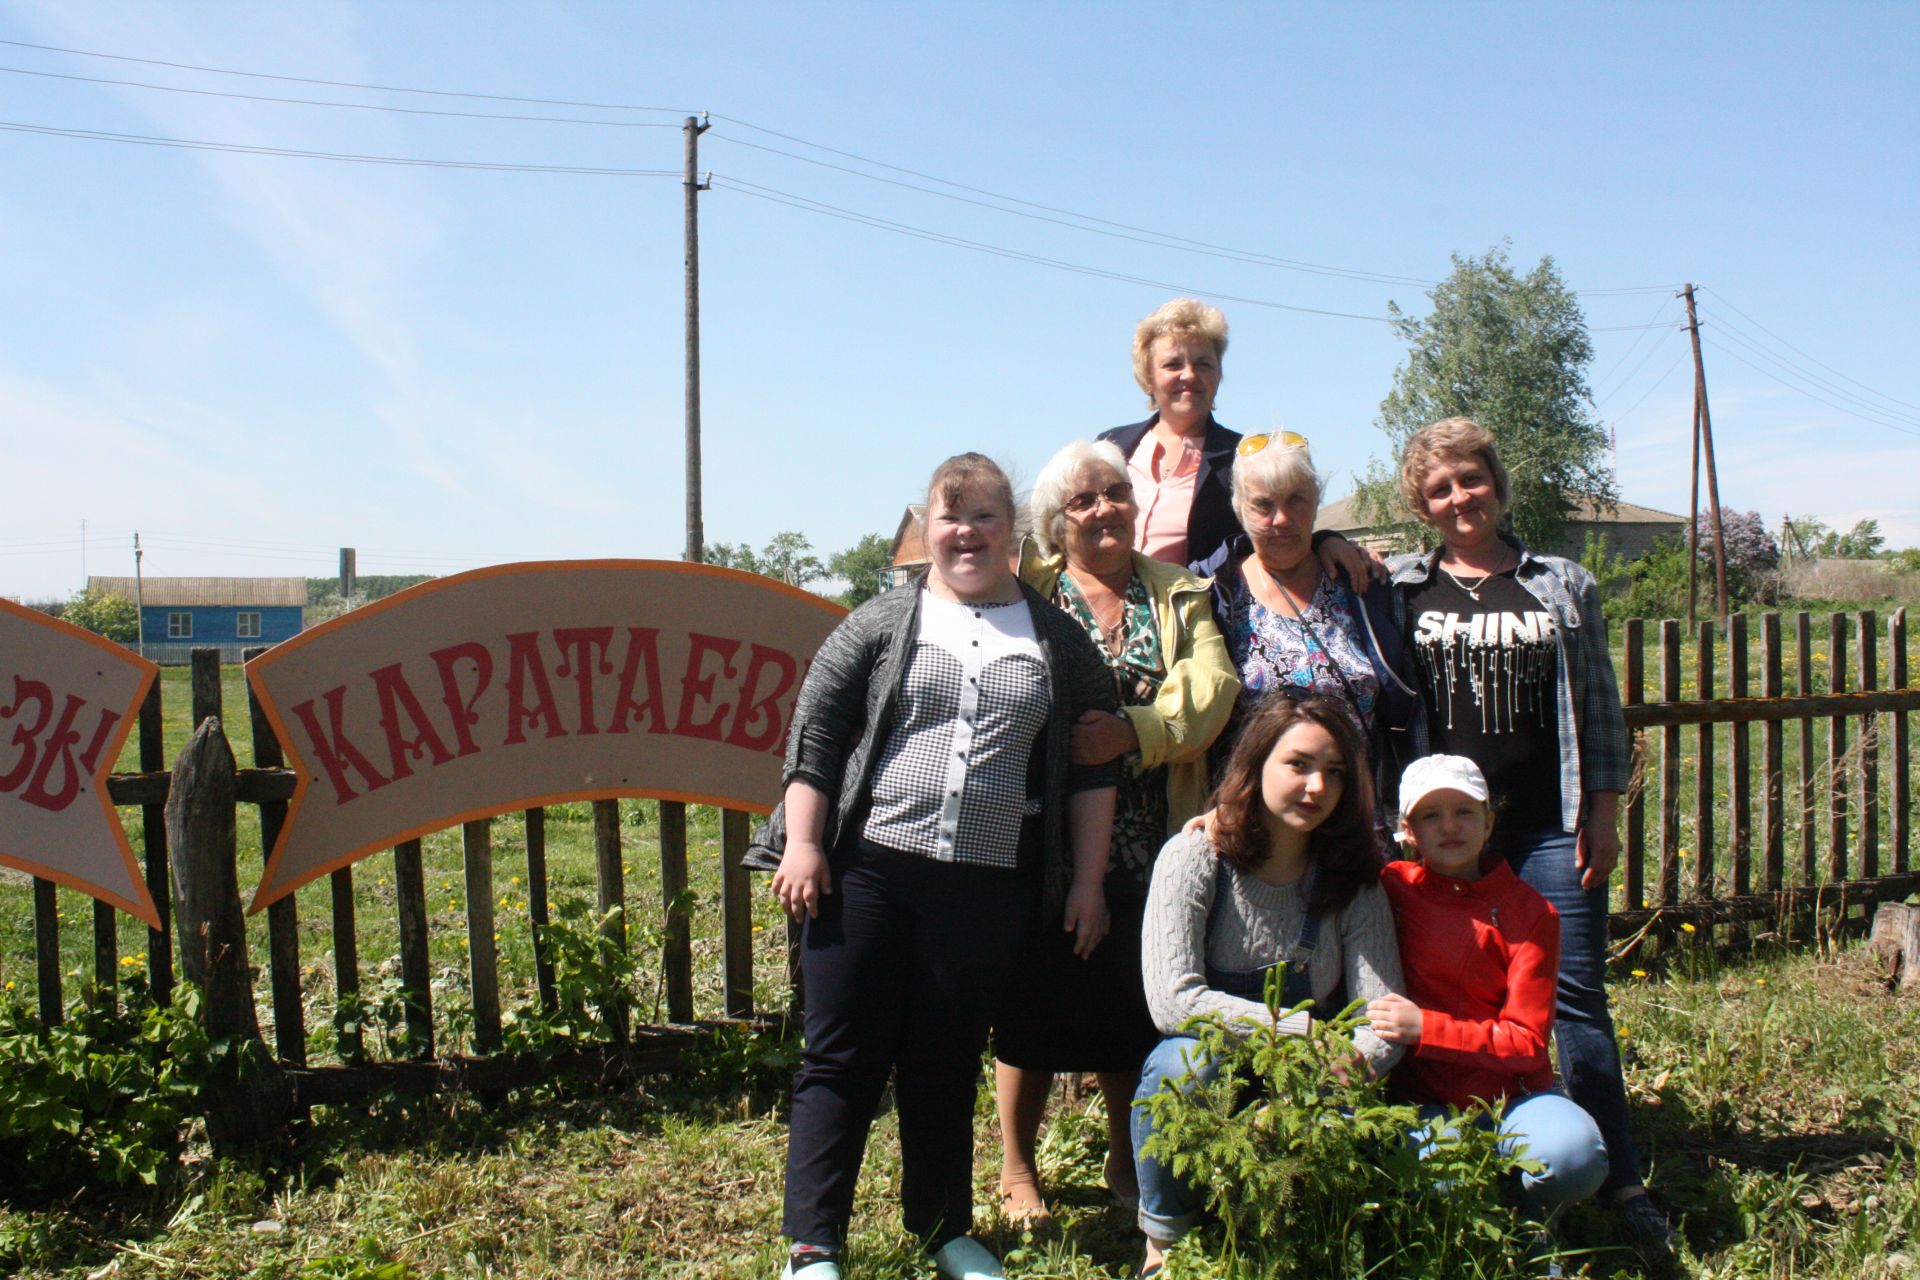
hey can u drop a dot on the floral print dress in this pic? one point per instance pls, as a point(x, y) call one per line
point(1326, 654)
point(1132, 651)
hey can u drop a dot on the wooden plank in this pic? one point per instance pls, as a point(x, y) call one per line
point(676, 945)
point(205, 685)
point(1867, 640)
point(1901, 765)
point(283, 916)
point(537, 906)
point(483, 953)
point(1669, 889)
point(106, 953)
point(250, 786)
point(1739, 762)
point(46, 951)
point(1809, 802)
point(153, 830)
point(736, 914)
point(1704, 775)
point(1654, 715)
point(1767, 907)
point(416, 970)
point(1836, 780)
point(1772, 748)
point(245, 1108)
point(1633, 693)
point(346, 965)
point(610, 888)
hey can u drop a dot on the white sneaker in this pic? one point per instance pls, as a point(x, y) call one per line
point(824, 1270)
point(964, 1258)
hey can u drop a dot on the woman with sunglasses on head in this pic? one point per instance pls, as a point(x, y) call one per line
point(1515, 674)
point(1153, 624)
point(1292, 626)
point(932, 814)
point(1284, 869)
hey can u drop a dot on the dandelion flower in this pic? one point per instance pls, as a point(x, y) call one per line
point(1687, 928)
point(1759, 982)
point(1639, 973)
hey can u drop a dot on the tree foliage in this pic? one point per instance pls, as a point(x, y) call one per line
point(1753, 557)
point(860, 567)
point(1511, 352)
point(1862, 542)
point(104, 614)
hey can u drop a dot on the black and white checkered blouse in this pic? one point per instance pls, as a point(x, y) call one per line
point(951, 781)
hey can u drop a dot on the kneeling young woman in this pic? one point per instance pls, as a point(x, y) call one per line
point(1284, 869)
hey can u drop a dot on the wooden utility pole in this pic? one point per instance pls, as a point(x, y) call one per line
point(1703, 428)
point(696, 534)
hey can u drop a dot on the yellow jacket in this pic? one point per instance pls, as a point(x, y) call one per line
point(1196, 698)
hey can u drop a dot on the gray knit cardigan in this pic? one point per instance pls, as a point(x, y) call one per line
point(846, 707)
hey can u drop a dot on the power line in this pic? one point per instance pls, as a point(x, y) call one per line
point(1657, 383)
point(1829, 368)
point(921, 233)
point(349, 106)
point(1077, 221)
point(1645, 330)
point(1774, 362)
point(1855, 413)
point(239, 148)
point(346, 84)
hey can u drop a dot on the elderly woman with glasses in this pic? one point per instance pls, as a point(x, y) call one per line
point(1152, 623)
point(1293, 628)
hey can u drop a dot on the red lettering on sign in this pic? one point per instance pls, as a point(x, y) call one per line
point(576, 659)
point(643, 649)
point(337, 752)
point(58, 749)
point(744, 733)
point(461, 708)
point(694, 686)
point(24, 734)
point(396, 695)
point(526, 665)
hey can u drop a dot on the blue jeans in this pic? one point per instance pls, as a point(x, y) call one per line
point(1589, 1055)
point(1550, 1128)
point(1169, 1207)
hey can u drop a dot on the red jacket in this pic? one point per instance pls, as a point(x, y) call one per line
point(1482, 961)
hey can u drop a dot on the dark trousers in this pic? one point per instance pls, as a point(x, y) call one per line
point(1583, 1025)
point(904, 967)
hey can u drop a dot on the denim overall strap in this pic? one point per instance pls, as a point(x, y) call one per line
point(1250, 984)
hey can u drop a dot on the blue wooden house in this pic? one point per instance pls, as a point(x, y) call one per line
point(179, 615)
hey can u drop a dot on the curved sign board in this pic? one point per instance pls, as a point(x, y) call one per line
point(529, 684)
point(68, 699)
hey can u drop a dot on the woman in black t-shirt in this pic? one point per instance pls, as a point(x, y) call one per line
point(1510, 650)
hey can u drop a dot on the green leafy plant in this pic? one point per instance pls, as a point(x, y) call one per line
point(103, 1098)
point(1310, 1170)
point(594, 984)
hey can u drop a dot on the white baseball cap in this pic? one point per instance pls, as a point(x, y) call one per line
point(1440, 773)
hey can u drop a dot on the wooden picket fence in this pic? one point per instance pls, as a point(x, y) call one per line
point(1832, 838)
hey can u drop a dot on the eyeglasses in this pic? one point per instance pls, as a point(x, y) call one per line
point(1254, 444)
point(1116, 495)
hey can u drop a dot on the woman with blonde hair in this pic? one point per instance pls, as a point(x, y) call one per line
point(1515, 674)
point(1152, 623)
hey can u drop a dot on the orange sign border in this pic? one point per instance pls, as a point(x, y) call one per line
point(302, 781)
point(144, 909)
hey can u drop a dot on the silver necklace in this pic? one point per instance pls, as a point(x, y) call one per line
point(1481, 581)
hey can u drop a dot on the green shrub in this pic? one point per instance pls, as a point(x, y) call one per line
point(1310, 1175)
point(103, 1098)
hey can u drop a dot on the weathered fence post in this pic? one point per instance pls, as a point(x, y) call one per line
point(1633, 691)
point(46, 951)
point(736, 914)
point(250, 1102)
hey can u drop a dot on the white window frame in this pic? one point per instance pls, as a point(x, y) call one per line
point(179, 625)
point(246, 624)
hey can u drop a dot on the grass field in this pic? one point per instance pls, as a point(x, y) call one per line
point(1773, 1090)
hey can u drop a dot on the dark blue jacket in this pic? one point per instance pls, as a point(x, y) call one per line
point(1211, 522)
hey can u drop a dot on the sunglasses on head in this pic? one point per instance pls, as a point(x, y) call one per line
point(1116, 495)
point(1254, 444)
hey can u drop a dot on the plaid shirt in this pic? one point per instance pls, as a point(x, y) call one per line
point(1595, 752)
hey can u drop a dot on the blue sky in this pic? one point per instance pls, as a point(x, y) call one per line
point(256, 359)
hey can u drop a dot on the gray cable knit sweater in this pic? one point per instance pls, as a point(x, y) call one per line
point(1257, 925)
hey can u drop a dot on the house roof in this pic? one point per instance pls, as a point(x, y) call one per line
point(1340, 515)
point(264, 592)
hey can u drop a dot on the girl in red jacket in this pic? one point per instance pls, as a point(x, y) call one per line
point(1480, 953)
